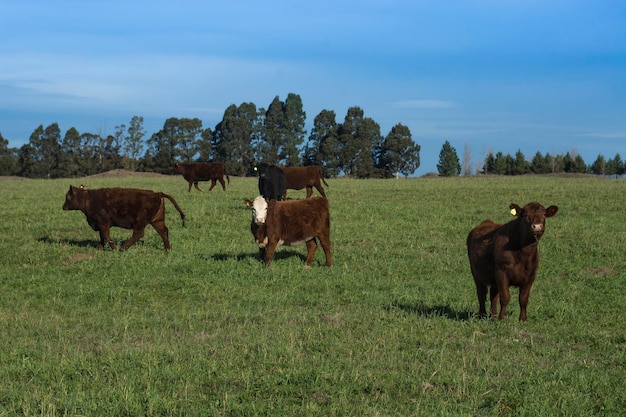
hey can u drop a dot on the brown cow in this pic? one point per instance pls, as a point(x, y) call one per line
point(203, 171)
point(506, 255)
point(129, 208)
point(291, 222)
point(298, 178)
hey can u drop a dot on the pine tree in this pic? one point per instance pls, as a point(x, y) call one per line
point(448, 165)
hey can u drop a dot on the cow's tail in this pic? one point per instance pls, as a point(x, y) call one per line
point(322, 177)
point(226, 173)
point(169, 197)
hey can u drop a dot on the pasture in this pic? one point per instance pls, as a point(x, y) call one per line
point(389, 330)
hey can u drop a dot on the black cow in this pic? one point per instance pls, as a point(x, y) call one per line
point(272, 181)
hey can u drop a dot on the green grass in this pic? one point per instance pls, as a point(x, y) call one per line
point(389, 330)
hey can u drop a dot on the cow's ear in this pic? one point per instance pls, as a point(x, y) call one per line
point(82, 187)
point(515, 209)
point(551, 211)
point(247, 202)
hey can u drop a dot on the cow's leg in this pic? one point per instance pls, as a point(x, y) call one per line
point(162, 230)
point(481, 292)
point(105, 237)
point(213, 182)
point(221, 180)
point(311, 246)
point(505, 297)
point(137, 234)
point(195, 184)
point(524, 294)
point(309, 191)
point(270, 249)
point(493, 297)
point(321, 190)
point(325, 242)
point(190, 184)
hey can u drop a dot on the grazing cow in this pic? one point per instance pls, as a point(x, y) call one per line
point(506, 255)
point(203, 171)
point(298, 178)
point(129, 208)
point(271, 181)
point(290, 222)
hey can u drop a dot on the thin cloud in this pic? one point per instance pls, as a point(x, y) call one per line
point(423, 104)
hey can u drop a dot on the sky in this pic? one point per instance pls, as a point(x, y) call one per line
point(543, 76)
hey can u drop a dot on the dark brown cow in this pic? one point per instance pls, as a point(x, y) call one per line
point(129, 208)
point(298, 178)
point(291, 222)
point(506, 255)
point(202, 171)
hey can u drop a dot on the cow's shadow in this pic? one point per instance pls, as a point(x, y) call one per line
point(424, 310)
point(278, 255)
point(72, 242)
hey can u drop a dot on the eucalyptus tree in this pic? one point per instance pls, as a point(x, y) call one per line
point(358, 136)
point(133, 144)
point(8, 158)
point(283, 132)
point(323, 146)
point(235, 136)
point(70, 164)
point(46, 150)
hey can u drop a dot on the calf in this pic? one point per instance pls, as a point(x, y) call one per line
point(290, 222)
point(202, 171)
point(298, 178)
point(129, 208)
point(271, 181)
point(506, 255)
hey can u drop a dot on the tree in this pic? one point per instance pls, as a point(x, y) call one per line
point(398, 154)
point(538, 164)
point(520, 166)
point(283, 131)
point(323, 146)
point(615, 166)
point(599, 166)
point(133, 144)
point(357, 137)
point(8, 158)
point(235, 136)
point(489, 166)
point(294, 120)
point(70, 165)
point(46, 151)
point(448, 161)
point(466, 168)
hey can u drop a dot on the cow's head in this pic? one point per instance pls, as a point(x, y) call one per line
point(75, 198)
point(534, 216)
point(176, 169)
point(261, 169)
point(259, 209)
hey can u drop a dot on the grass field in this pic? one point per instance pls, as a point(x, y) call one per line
point(389, 330)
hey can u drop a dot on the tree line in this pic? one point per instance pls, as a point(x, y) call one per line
point(245, 135)
point(505, 164)
point(248, 134)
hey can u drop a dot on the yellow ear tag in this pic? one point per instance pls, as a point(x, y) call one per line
point(514, 212)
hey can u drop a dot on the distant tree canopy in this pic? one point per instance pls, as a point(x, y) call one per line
point(245, 135)
point(248, 134)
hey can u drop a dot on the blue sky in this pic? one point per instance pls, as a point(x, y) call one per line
point(501, 75)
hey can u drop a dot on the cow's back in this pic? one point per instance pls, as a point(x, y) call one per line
point(480, 249)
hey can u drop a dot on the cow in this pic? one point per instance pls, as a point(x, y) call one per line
point(506, 255)
point(298, 178)
point(202, 171)
point(129, 208)
point(290, 222)
point(271, 181)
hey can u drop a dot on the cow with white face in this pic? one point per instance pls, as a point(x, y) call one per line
point(290, 222)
